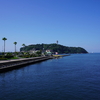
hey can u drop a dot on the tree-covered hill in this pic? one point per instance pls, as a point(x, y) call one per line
point(54, 48)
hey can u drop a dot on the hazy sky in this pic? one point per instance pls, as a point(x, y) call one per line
point(74, 23)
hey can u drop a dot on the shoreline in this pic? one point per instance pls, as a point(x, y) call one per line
point(7, 65)
point(57, 56)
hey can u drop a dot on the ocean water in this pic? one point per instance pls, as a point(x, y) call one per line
point(74, 77)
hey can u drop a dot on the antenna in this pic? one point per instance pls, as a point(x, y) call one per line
point(57, 41)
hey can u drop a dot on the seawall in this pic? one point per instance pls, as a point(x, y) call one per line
point(6, 65)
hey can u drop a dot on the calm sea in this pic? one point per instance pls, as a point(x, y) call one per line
point(75, 77)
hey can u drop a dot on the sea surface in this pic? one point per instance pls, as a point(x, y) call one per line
point(74, 77)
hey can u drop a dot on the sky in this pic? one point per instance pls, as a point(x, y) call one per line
point(74, 23)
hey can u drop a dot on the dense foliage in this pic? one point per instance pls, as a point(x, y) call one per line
point(54, 48)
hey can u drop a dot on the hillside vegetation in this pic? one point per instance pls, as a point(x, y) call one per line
point(54, 48)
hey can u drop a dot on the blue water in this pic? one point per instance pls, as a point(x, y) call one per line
point(75, 77)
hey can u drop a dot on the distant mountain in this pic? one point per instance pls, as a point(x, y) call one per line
point(54, 48)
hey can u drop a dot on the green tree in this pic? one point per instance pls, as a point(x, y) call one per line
point(15, 45)
point(4, 39)
point(39, 52)
point(23, 45)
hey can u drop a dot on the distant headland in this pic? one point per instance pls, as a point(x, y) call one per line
point(53, 48)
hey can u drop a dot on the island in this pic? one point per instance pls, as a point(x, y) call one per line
point(54, 48)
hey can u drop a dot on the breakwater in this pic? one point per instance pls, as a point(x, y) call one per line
point(6, 65)
point(57, 56)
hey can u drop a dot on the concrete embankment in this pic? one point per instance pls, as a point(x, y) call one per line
point(6, 65)
point(57, 56)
